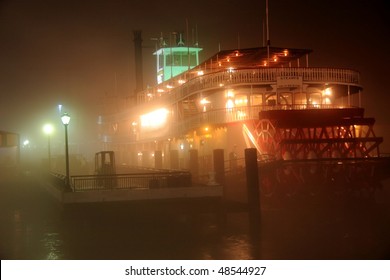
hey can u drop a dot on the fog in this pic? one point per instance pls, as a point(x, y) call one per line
point(76, 52)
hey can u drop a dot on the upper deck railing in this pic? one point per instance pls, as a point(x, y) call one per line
point(174, 90)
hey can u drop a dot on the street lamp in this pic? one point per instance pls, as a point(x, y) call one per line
point(48, 130)
point(65, 118)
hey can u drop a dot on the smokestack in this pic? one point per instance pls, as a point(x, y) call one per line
point(138, 60)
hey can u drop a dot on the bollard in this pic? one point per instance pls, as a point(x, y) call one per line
point(194, 165)
point(174, 159)
point(252, 181)
point(219, 166)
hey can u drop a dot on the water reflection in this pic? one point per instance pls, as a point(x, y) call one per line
point(52, 243)
point(33, 227)
point(18, 233)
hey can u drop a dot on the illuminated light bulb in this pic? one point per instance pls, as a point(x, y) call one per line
point(204, 101)
point(154, 119)
point(229, 94)
point(328, 91)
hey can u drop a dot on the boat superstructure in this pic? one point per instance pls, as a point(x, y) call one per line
point(268, 98)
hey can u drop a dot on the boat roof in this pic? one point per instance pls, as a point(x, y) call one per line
point(253, 57)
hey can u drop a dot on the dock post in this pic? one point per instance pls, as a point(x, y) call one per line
point(194, 165)
point(252, 181)
point(174, 159)
point(219, 166)
point(158, 160)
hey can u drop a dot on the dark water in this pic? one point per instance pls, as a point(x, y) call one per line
point(33, 226)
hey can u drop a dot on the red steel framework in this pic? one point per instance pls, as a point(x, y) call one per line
point(317, 134)
point(335, 146)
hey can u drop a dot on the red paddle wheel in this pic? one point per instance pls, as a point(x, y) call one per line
point(318, 146)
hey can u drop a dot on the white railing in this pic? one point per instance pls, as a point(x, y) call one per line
point(169, 91)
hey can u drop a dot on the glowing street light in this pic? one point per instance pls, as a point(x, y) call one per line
point(26, 143)
point(65, 118)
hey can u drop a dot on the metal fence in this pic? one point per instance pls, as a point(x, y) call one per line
point(131, 181)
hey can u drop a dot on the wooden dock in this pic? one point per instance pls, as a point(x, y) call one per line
point(128, 187)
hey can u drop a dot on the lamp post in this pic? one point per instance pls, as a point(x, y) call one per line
point(65, 118)
point(48, 130)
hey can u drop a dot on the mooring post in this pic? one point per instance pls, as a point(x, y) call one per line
point(252, 181)
point(174, 159)
point(194, 165)
point(219, 166)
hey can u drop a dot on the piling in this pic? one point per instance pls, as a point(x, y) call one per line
point(219, 166)
point(252, 182)
point(194, 165)
point(174, 159)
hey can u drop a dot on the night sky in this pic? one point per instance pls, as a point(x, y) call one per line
point(74, 52)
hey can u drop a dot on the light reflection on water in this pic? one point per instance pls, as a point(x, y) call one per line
point(52, 244)
point(33, 227)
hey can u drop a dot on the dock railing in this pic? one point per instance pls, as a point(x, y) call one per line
point(133, 181)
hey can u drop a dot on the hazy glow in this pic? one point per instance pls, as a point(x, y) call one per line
point(155, 119)
point(229, 94)
point(65, 118)
point(327, 100)
point(229, 104)
point(241, 115)
point(327, 92)
point(241, 101)
point(204, 101)
point(48, 129)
